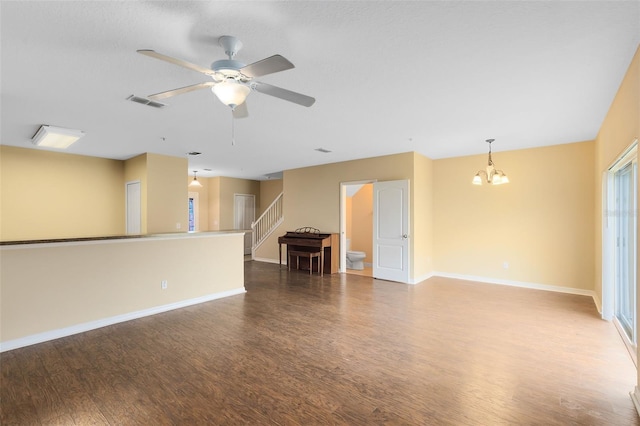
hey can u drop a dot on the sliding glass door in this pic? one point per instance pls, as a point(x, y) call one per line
point(625, 178)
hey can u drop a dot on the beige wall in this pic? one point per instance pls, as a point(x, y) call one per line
point(541, 223)
point(162, 191)
point(228, 188)
point(79, 283)
point(49, 195)
point(269, 190)
point(167, 208)
point(619, 129)
point(312, 194)
point(362, 221)
point(214, 203)
point(348, 217)
point(56, 195)
point(422, 220)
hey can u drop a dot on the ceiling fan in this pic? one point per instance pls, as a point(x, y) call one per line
point(233, 80)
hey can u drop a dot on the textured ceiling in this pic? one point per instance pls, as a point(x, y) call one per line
point(433, 77)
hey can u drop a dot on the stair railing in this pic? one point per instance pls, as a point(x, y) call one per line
point(266, 223)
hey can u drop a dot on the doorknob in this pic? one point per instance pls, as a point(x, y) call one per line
point(404, 236)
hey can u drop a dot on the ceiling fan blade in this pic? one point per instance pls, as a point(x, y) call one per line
point(275, 63)
point(285, 94)
point(174, 92)
point(241, 111)
point(175, 61)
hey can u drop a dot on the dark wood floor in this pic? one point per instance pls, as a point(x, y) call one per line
point(342, 349)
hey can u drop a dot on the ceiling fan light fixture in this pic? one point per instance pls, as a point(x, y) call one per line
point(56, 137)
point(231, 93)
point(233, 80)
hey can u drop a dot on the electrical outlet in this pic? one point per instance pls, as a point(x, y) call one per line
point(178, 225)
point(505, 265)
point(163, 284)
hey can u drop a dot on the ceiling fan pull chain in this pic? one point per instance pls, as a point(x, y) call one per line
point(233, 130)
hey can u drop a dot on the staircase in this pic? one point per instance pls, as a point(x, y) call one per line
point(266, 223)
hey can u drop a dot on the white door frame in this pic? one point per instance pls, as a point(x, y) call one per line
point(343, 220)
point(127, 206)
point(609, 234)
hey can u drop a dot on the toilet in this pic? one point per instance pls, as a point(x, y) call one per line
point(355, 259)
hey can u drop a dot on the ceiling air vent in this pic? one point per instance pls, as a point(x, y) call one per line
point(322, 150)
point(194, 153)
point(145, 101)
point(274, 175)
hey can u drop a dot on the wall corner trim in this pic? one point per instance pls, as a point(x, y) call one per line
point(92, 325)
point(598, 302)
point(422, 278)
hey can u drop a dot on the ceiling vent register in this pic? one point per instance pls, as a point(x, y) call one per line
point(145, 101)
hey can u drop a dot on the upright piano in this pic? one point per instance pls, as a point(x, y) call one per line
point(311, 239)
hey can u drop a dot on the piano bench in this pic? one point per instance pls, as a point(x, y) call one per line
point(307, 254)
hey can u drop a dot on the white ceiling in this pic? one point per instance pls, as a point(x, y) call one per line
point(433, 77)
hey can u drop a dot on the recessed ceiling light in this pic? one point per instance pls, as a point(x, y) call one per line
point(322, 150)
point(56, 137)
point(208, 170)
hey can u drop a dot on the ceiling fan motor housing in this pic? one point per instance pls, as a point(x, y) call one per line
point(229, 68)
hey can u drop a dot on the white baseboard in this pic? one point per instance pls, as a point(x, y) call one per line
point(267, 260)
point(92, 325)
point(523, 284)
point(421, 278)
point(635, 397)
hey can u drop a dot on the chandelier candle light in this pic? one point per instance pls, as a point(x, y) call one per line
point(491, 174)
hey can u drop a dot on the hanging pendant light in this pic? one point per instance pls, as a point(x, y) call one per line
point(194, 183)
point(491, 175)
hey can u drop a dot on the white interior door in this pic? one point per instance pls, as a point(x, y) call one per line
point(391, 230)
point(244, 215)
point(133, 208)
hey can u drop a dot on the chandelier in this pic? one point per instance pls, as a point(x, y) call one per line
point(490, 174)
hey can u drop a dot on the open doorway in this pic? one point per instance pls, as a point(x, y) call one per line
point(356, 227)
point(381, 210)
